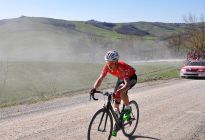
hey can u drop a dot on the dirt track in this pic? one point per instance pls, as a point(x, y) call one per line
point(169, 110)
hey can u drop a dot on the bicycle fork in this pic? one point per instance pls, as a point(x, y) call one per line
point(101, 120)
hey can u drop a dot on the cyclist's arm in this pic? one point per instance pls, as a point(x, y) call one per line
point(99, 81)
point(125, 86)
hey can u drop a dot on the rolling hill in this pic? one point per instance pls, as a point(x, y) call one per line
point(47, 39)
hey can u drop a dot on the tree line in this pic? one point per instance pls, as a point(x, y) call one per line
point(192, 37)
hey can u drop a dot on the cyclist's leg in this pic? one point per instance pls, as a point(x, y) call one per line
point(125, 98)
point(117, 98)
point(124, 95)
point(117, 101)
point(118, 83)
point(117, 104)
point(121, 96)
point(133, 81)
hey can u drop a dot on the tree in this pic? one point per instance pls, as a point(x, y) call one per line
point(194, 32)
point(192, 37)
point(176, 41)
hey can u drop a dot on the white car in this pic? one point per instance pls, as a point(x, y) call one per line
point(193, 69)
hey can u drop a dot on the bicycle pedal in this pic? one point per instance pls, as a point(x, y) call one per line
point(130, 123)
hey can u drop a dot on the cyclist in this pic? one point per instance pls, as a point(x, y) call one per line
point(127, 78)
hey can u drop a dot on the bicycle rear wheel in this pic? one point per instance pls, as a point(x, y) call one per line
point(130, 126)
point(101, 126)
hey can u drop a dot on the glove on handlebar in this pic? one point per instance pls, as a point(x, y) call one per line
point(92, 92)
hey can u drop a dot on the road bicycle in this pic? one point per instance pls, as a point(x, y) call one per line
point(101, 124)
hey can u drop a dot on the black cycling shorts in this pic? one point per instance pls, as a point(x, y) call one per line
point(133, 80)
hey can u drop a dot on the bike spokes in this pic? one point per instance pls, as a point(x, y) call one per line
point(130, 126)
point(100, 126)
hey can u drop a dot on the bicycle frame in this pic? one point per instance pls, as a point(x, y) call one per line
point(109, 108)
point(107, 114)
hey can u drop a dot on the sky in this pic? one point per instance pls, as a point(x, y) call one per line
point(115, 11)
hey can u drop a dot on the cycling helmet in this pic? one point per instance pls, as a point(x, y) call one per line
point(112, 56)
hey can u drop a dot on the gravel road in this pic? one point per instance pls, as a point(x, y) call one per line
point(169, 110)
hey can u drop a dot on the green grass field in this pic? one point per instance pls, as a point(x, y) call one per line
point(29, 82)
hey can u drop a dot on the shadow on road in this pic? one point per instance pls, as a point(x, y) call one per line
point(196, 78)
point(144, 137)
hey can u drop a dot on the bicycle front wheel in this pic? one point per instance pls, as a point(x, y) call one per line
point(130, 126)
point(100, 126)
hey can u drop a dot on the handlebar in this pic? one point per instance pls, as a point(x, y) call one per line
point(93, 96)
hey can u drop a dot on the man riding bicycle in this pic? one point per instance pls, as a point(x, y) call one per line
point(126, 80)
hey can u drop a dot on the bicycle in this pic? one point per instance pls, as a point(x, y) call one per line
point(103, 127)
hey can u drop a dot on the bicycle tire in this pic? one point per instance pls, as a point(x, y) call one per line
point(102, 117)
point(135, 113)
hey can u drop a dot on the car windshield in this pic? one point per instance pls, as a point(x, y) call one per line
point(197, 63)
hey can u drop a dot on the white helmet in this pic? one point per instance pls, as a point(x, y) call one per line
point(112, 56)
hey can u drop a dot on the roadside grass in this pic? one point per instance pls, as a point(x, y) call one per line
point(158, 71)
point(31, 82)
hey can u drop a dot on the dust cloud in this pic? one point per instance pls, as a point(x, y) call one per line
point(39, 39)
point(84, 50)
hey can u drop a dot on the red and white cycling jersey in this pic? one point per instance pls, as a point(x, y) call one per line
point(123, 71)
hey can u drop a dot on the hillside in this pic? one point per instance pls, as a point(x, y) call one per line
point(46, 39)
point(142, 29)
